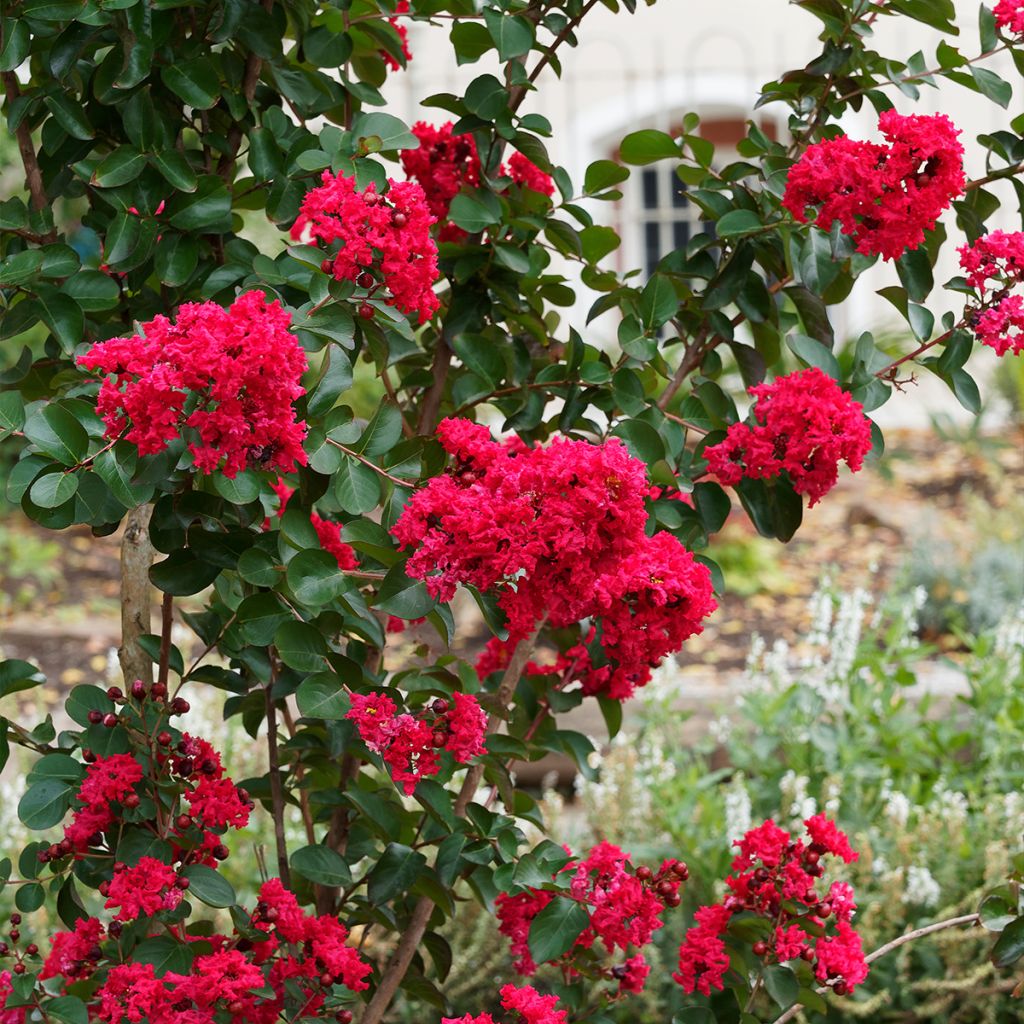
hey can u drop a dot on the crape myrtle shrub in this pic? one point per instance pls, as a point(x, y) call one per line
point(193, 387)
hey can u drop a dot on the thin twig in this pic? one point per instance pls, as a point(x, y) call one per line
point(307, 814)
point(166, 622)
point(372, 465)
point(917, 933)
point(692, 358)
point(276, 787)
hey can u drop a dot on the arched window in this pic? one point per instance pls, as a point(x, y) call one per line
point(656, 216)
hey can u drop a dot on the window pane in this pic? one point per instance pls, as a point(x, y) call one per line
point(680, 234)
point(650, 185)
point(652, 247)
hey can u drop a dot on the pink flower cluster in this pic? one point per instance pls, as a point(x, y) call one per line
point(143, 890)
point(402, 7)
point(444, 163)
point(75, 954)
point(441, 166)
point(1009, 14)
point(384, 239)
point(994, 264)
point(411, 744)
point(328, 532)
point(244, 979)
point(108, 781)
point(559, 533)
point(18, 1014)
point(884, 196)
point(805, 424)
point(774, 878)
point(224, 378)
point(323, 939)
point(527, 1002)
point(624, 907)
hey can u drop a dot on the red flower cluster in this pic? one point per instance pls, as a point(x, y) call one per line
point(527, 1002)
point(441, 166)
point(884, 196)
point(74, 954)
point(525, 172)
point(444, 163)
point(805, 424)
point(384, 239)
point(994, 264)
point(226, 376)
point(1010, 15)
point(143, 890)
point(17, 1015)
point(624, 908)
point(328, 532)
point(402, 7)
point(774, 877)
point(559, 532)
point(108, 781)
point(410, 745)
point(109, 786)
point(323, 939)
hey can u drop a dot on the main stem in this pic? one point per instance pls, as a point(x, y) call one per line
point(276, 788)
point(136, 595)
point(400, 960)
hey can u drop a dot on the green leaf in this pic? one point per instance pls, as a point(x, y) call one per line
point(16, 44)
point(396, 871)
point(301, 646)
point(648, 145)
point(812, 352)
point(165, 953)
point(93, 291)
point(392, 132)
point(17, 675)
point(182, 573)
point(322, 696)
point(658, 302)
point(1009, 947)
point(399, 595)
point(336, 379)
point(28, 898)
point(556, 928)
point(176, 258)
point(56, 766)
point(195, 81)
point(382, 433)
point(738, 222)
point(56, 432)
point(125, 164)
point(694, 1015)
point(260, 616)
point(602, 174)
point(315, 577)
point(321, 865)
point(512, 34)
point(68, 1009)
point(486, 97)
point(69, 114)
point(176, 170)
point(991, 86)
point(53, 489)
point(44, 804)
point(207, 209)
point(474, 211)
point(781, 984)
point(966, 390)
point(356, 486)
point(62, 315)
point(12, 413)
point(915, 271)
point(21, 267)
point(209, 886)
